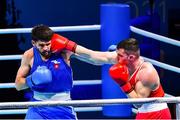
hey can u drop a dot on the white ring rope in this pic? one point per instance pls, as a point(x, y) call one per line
point(7, 85)
point(87, 82)
point(56, 29)
point(10, 57)
point(87, 103)
point(163, 65)
point(94, 27)
point(75, 82)
point(77, 109)
point(154, 62)
point(23, 111)
point(155, 36)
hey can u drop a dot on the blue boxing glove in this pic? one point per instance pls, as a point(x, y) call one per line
point(112, 48)
point(41, 76)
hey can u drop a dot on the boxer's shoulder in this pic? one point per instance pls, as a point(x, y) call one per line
point(146, 67)
point(28, 56)
point(29, 53)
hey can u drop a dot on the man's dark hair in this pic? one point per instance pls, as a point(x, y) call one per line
point(42, 32)
point(130, 44)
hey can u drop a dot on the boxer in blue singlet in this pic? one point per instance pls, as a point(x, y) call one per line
point(58, 89)
point(47, 74)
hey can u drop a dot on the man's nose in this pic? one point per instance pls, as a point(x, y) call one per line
point(46, 47)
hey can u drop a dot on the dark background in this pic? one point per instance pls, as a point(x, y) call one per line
point(163, 19)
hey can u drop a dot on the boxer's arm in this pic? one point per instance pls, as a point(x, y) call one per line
point(20, 82)
point(148, 80)
point(144, 86)
point(95, 57)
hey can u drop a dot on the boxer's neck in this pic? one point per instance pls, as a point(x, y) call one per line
point(135, 65)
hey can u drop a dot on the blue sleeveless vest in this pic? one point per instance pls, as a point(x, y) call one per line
point(61, 73)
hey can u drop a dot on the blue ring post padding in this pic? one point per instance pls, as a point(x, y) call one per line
point(115, 26)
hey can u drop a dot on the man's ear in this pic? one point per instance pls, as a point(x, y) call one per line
point(33, 42)
point(131, 57)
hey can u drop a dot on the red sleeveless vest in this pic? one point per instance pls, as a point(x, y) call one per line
point(159, 92)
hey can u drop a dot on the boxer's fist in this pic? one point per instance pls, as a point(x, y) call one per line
point(59, 43)
point(120, 74)
point(41, 76)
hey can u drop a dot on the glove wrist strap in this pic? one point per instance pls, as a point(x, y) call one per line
point(127, 88)
point(71, 46)
point(29, 81)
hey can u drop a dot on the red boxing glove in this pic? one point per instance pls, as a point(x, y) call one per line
point(120, 74)
point(59, 43)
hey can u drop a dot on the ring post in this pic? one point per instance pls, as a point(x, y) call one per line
point(115, 26)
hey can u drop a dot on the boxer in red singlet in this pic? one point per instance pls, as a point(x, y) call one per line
point(139, 79)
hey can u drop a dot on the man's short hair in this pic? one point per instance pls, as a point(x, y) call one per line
point(42, 32)
point(130, 44)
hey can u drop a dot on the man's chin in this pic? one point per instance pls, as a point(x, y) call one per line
point(46, 54)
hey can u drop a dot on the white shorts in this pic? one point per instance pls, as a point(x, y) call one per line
point(152, 107)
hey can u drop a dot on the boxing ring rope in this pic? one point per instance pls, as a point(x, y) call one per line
point(56, 29)
point(155, 36)
point(89, 103)
point(76, 82)
point(10, 57)
point(163, 65)
point(77, 109)
point(94, 27)
point(23, 111)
